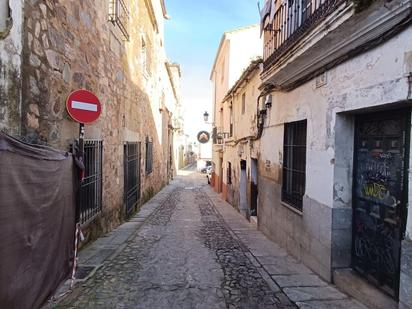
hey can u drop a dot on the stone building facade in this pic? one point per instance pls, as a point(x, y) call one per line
point(113, 48)
point(336, 189)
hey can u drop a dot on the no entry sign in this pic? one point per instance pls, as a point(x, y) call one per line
point(83, 106)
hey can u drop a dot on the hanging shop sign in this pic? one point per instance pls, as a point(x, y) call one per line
point(203, 137)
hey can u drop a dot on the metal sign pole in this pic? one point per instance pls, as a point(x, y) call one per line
point(81, 138)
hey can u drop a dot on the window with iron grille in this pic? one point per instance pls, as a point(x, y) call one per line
point(131, 176)
point(90, 195)
point(149, 156)
point(294, 163)
point(119, 16)
point(229, 173)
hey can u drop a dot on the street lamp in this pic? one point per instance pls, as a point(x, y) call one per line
point(206, 116)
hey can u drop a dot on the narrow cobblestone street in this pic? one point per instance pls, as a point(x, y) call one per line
point(185, 255)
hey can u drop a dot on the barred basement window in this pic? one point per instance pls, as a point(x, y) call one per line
point(119, 16)
point(90, 197)
point(294, 163)
point(229, 173)
point(149, 156)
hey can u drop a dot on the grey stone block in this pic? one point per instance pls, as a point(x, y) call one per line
point(341, 248)
point(286, 266)
point(100, 256)
point(321, 253)
point(252, 259)
point(269, 254)
point(299, 280)
point(405, 290)
point(313, 293)
point(272, 284)
point(406, 259)
point(341, 218)
point(352, 284)
point(328, 304)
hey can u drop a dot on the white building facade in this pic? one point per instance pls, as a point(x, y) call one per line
point(335, 148)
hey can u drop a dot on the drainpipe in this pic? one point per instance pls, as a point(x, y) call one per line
point(409, 96)
point(4, 15)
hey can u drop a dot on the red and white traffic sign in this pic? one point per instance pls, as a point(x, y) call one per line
point(83, 106)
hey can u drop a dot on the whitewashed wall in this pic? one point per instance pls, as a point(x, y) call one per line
point(374, 78)
point(10, 77)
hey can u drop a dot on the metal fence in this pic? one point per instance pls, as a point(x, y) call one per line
point(90, 196)
point(131, 176)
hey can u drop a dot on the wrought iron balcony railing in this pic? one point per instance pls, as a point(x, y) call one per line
point(119, 15)
point(291, 21)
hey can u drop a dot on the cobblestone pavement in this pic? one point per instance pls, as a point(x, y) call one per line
point(186, 254)
point(183, 257)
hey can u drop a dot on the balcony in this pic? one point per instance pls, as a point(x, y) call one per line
point(291, 21)
point(305, 38)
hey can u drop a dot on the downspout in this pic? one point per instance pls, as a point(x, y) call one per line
point(261, 116)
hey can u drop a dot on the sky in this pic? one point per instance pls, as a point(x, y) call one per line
point(192, 37)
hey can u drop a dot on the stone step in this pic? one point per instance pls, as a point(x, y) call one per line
point(352, 284)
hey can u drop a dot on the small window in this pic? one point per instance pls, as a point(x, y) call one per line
point(294, 165)
point(243, 103)
point(149, 156)
point(229, 173)
point(231, 120)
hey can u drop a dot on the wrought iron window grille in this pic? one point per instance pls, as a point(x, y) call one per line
point(294, 164)
point(90, 195)
point(119, 16)
point(131, 176)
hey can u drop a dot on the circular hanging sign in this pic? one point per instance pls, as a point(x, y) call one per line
point(83, 106)
point(203, 137)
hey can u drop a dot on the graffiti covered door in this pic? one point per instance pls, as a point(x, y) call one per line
point(379, 201)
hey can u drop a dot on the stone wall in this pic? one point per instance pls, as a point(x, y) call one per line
point(69, 45)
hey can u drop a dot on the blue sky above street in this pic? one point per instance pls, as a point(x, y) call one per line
point(192, 38)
